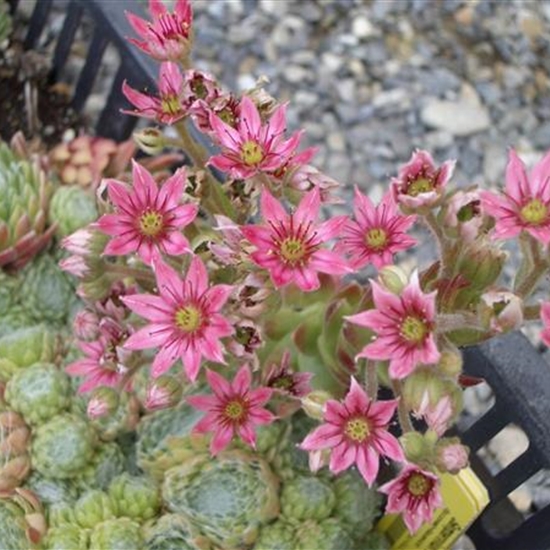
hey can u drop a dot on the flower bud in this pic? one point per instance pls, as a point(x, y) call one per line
point(451, 456)
point(481, 263)
point(314, 404)
point(417, 448)
point(163, 392)
point(502, 311)
point(103, 402)
point(86, 325)
point(450, 362)
point(393, 278)
point(150, 140)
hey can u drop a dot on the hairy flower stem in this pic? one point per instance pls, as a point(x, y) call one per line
point(540, 265)
point(371, 379)
point(447, 322)
point(445, 269)
point(402, 412)
point(214, 199)
point(135, 272)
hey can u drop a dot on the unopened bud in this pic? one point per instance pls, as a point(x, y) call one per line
point(451, 456)
point(163, 392)
point(103, 402)
point(417, 448)
point(393, 278)
point(501, 310)
point(450, 362)
point(150, 140)
point(481, 263)
point(86, 325)
point(314, 404)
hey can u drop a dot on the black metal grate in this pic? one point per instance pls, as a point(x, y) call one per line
point(519, 377)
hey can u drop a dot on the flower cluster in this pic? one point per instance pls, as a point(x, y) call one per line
point(244, 279)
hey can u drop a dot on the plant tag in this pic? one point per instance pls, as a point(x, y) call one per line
point(464, 498)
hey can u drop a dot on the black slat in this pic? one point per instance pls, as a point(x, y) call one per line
point(66, 37)
point(37, 23)
point(91, 67)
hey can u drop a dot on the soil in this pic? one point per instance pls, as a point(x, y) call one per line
point(29, 101)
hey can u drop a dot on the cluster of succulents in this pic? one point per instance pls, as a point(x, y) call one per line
point(63, 484)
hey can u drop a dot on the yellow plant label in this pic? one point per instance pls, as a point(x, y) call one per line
point(464, 498)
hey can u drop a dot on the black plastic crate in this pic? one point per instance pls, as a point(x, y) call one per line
point(518, 376)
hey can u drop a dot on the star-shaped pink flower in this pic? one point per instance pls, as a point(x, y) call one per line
point(525, 203)
point(404, 325)
point(356, 432)
point(290, 245)
point(166, 37)
point(234, 409)
point(172, 102)
point(185, 319)
point(376, 234)
point(415, 494)
point(147, 218)
point(253, 147)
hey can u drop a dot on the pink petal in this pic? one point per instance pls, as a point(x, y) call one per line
point(325, 436)
point(208, 423)
point(261, 416)
point(145, 186)
point(387, 445)
point(306, 279)
point(356, 401)
point(220, 386)
point(330, 262)
point(517, 184)
point(170, 78)
point(168, 282)
point(242, 380)
point(164, 359)
point(272, 210)
point(248, 435)
point(145, 104)
point(175, 244)
point(368, 463)
point(191, 359)
point(249, 119)
point(227, 136)
point(335, 412)
point(277, 123)
point(140, 25)
point(260, 396)
point(170, 192)
point(221, 440)
point(308, 209)
point(197, 276)
point(331, 228)
point(150, 336)
point(121, 246)
point(202, 402)
point(382, 411)
point(216, 296)
point(342, 457)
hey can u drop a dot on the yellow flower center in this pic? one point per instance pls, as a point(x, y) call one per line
point(413, 329)
point(151, 223)
point(420, 185)
point(292, 250)
point(418, 485)
point(376, 238)
point(188, 318)
point(534, 212)
point(251, 153)
point(170, 105)
point(235, 410)
point(357, 429)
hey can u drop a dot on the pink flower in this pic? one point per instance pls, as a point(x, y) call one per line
point(234, 409)
point(171, 103)
point(282, 379)
point(404, 325)
point(463, 212)
point(504, 310)
point(252, 147)
point(147, 219)
point(289, 246)
point(356, 432)
point(545, 317)
point(525, 203)
point(166, 37)
point(185, 322)
point(419, 182)
point(377, 232)
point(105, 361)
point(414, 494)
point(452, 456)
